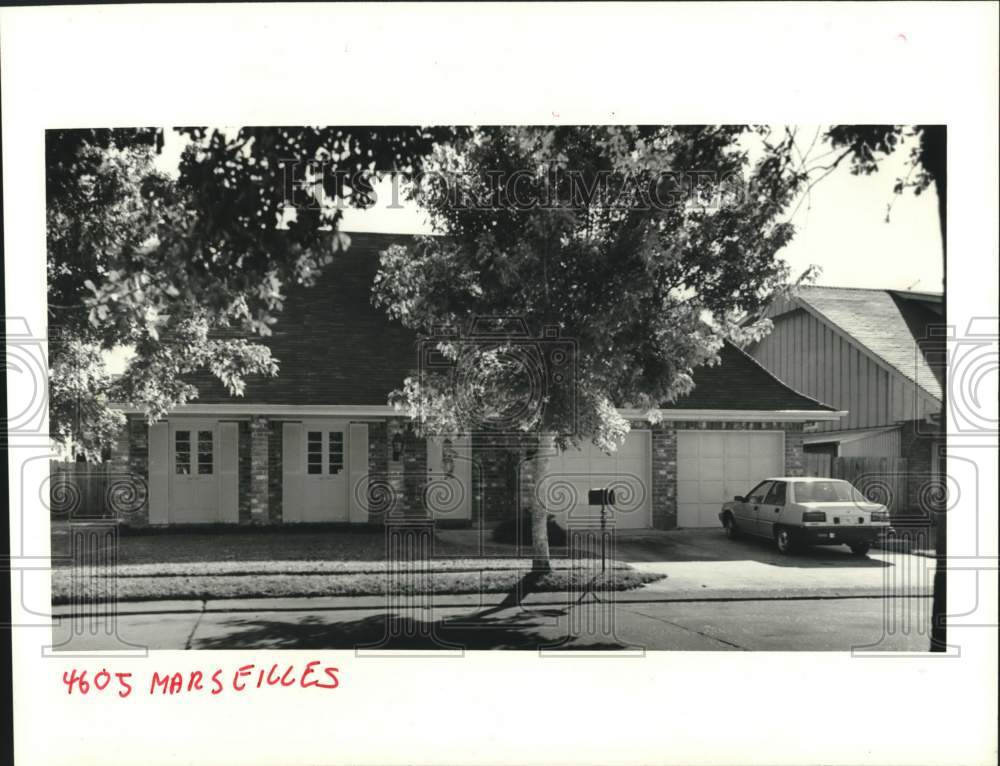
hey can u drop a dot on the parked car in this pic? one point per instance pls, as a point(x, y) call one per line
point(795, 510)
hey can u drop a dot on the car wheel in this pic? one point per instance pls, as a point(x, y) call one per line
point(729, 523)
point(784, 540)
point(861, 549)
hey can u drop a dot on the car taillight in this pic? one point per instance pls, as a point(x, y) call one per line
point(814, 516)
point(880, 516)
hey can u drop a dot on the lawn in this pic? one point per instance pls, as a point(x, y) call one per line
point(327, 562)
point(284, 544)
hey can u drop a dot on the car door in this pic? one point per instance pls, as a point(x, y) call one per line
point(770, 508)
point(746, 512)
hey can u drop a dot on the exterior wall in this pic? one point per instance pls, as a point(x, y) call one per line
point(243, 442)
point(809, 356)
point(274, 495)
point(886, 444)
point(259, 470)
point(502, 477)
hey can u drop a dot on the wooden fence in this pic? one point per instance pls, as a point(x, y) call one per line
point(881, 479)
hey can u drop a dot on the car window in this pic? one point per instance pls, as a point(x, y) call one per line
point(758, 493)
point(834, 491)
point(777, 494)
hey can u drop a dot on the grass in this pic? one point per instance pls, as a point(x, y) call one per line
point(300, 579)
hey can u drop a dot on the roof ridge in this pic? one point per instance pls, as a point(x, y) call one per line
point(869, 289)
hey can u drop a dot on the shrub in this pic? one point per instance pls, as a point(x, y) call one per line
point(519, 531)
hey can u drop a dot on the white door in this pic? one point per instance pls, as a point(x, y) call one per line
point(715, 466)
point(569, 477)
point(325, 491)
point(316, 471)
point(194, 471)
point(449, 477)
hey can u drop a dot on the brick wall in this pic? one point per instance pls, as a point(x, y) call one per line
point(243, 469)
point(414, 476)
point(260, 430)
point(502, 475)
point(664, 476)
point(275, 445)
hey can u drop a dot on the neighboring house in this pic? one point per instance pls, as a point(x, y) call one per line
point(320, 444)
point(879, 354)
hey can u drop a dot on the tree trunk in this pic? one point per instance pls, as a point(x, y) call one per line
point(541, 561)
point(934, 158)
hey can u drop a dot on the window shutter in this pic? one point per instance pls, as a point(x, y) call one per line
point(292, 473)
point(357, 490)
point(229, 490)
point(159, 468)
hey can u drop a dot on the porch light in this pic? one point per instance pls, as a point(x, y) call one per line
point(397, 445)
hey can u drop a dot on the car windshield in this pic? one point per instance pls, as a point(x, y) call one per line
point(833, 491)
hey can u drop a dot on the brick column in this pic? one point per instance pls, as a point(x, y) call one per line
point(414, 474)
point(795, 459)
point(664, 476)
point(260, 431)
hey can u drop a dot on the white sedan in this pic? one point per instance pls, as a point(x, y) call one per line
point(797, 510)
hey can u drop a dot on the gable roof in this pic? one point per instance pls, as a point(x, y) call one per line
point(739, 382)
point(334, 348)
point(893, 325)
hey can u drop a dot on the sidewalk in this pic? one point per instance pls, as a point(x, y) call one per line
point(885, 575)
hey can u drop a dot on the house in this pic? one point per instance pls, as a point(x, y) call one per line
point(879, 355)
point(319, 443)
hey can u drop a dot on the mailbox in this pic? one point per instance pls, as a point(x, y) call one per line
point(601, 496)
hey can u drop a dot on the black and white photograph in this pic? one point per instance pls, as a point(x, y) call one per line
point(590, 405)
point(502, 383)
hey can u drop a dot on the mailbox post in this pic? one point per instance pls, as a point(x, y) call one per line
point(604, 497)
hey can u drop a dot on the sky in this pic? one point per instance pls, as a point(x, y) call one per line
point(841, 227)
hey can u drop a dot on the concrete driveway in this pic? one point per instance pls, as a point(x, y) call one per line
point(704, 563)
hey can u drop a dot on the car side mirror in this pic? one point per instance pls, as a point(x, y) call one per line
point(740, 499)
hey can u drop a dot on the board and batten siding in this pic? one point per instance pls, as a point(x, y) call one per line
point(809, 356)
point(881, 444)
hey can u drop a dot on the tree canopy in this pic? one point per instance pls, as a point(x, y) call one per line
point(642, 247)
point(186, 270)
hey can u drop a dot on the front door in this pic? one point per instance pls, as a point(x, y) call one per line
point(194, 471)
point(325, 490)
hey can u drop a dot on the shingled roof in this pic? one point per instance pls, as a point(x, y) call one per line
point(893, 325)
point(335, 348)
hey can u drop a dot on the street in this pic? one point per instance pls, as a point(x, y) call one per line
point(808, 624)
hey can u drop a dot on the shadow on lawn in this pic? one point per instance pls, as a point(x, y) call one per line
point(524, 629)
point(520, 630)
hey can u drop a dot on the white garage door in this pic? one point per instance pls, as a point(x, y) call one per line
point(568, 477)
point(714, 466)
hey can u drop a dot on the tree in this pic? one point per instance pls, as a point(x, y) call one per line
point(644, 246)
point(867, 146)
point(182, 271)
